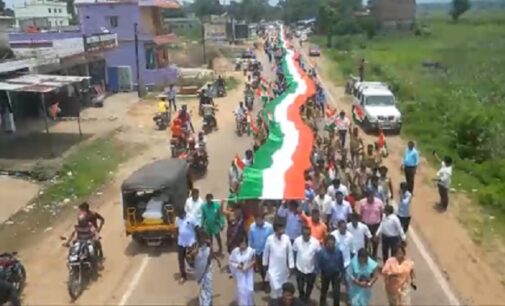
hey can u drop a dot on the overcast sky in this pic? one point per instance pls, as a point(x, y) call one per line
point(10, 3)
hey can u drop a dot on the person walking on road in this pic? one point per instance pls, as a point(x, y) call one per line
point(289, 211)
point(404, 201)
point(278, 258)
point(186, 238)
point(171, 94)
point(213, 220)
point(241, 265)
point(362, 273)
point(194, 205)
point(288, 297)
point(317, 227)
point(330, 263)
point(203, 269)
point(306, 248)
point(443, 180)
point(371, 209)
point(399, 277)
point(410, 163)
point(390, 232)
point(258, 234)
point(361, 235)
point(342, 124)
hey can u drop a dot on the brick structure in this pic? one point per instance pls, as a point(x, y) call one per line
point(394, 13)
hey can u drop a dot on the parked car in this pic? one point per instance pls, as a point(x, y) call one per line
point(374, 107)
point(314, 51)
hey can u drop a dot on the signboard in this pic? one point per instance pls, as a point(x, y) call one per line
point(100, 42)
point(215, 32)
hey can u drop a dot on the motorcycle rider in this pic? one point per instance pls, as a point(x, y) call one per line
point(208, 114)
point(84, 231)
point(202, 141)
point(221, 84)
point(185, 119)
point(8, 293)
point(96, 220)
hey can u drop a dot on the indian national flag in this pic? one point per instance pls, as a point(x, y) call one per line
point(280, 163)
point(330, 116)
point(252, 124)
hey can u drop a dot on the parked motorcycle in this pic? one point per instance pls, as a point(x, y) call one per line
point(162, 120)
point(82, 267)
point(13, 270)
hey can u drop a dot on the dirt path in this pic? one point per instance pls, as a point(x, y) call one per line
point(461, 260)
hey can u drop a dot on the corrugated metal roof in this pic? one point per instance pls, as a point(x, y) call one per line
point(40, 83)
point(8, 86)
point(38, 88)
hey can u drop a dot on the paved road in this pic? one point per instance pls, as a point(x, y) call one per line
point(142, 276)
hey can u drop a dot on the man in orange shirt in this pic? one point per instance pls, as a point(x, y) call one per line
point(318, 229)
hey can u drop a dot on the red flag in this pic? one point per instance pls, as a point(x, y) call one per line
point(238, 162)
point(382, 139)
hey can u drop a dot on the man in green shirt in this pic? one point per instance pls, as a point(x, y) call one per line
point(212, 220)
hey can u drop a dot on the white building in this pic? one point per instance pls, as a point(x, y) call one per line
point(42, 14)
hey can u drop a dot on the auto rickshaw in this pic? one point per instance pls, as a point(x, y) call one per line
point(152, 196)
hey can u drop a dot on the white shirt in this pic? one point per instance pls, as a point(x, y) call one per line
point(305, 254)
point(339, 212)
point(342, 123)
point(391, 227)
point(444, 176)
point(324, 204)
point(171, 93)
point(278, 256)
point(331, 191)
point(359, 233)
point(344, 243)
point(194, 209)
point(186, 227)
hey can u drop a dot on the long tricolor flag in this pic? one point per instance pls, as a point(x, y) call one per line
point(280, 163)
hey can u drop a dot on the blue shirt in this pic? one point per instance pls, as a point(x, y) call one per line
point(330, 262)
point(404, 205)
point(293, 222)
point(411, 158)
point(258, 236)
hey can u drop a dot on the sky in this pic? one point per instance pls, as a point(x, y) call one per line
point(10, 3)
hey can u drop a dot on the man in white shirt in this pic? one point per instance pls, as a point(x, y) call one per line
point(306, 248)
point(323, 202)
point(342, 124)
point(340, 210)
point(335, 186)
point(360, 234)
point(186, 238)
point(193, 206)
point(171, 93)
point(343, 240)
point(278, 257)
point(443, 179)
point(391, 232)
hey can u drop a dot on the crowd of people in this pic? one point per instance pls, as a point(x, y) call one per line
point(331, 237)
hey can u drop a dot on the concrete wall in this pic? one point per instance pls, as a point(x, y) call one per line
point(22, 36)
point(92, 18)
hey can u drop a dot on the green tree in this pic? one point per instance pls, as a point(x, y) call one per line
point(207, 7)
point(459, 7)
point(2, 6)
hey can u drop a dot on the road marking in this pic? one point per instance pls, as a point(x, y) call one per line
point(135, 281)
point(444, 285)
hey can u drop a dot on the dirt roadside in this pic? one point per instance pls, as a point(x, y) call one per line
point(465, 264)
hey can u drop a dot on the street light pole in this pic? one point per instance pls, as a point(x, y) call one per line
point(137, 65)
point(203, 42)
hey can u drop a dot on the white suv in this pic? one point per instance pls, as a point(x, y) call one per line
point(374, 107)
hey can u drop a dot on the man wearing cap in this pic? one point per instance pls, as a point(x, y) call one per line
point(371, 209)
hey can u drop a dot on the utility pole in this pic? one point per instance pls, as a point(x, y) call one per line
point(203, 42)
point(137, 65)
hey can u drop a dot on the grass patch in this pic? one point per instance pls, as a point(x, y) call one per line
point(85, 170)
point(456, 108)
point(232, 83)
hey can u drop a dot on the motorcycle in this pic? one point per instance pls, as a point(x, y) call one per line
point(162, 120)
point(221, 91)
point(249, 102)
point(177, 146)
point(14, 271)
point(198, 161)
point(241, 124)
point(82, 268)
point(209, 119)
